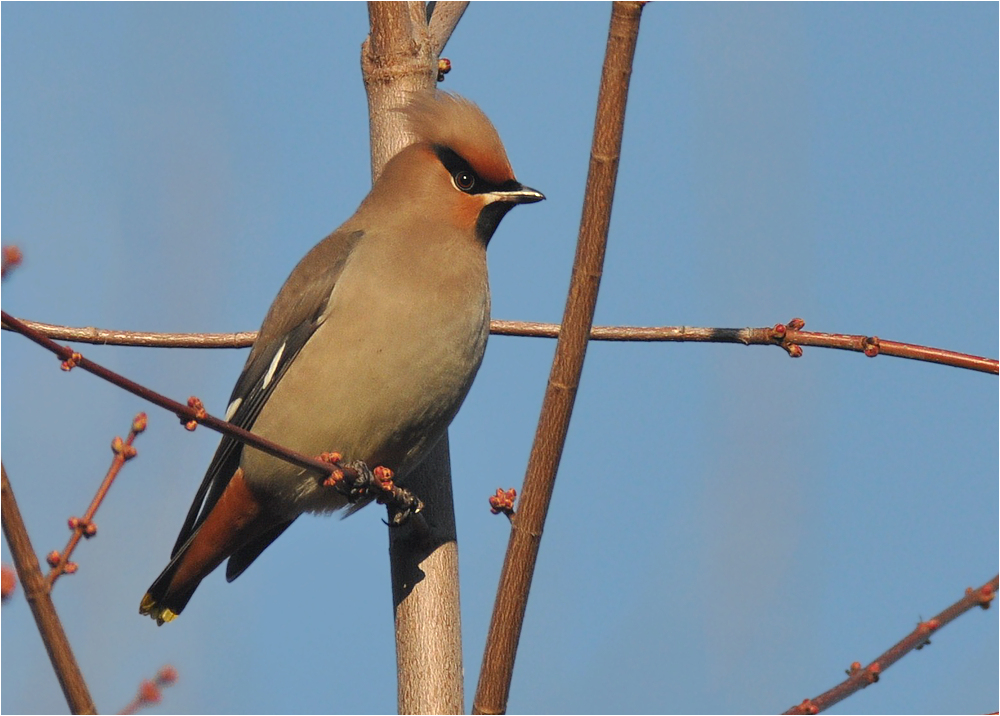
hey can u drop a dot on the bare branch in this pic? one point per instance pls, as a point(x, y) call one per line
point(85, 527)
point(355, 482)
point(141, 339)
point(858, 677)
point(527, 524)
point(151, 691)
point(187, 413)
point(444, 17)
point(36, 591)
point(869, 345)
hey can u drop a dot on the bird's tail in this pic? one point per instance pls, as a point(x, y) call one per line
point(163, 603)
point(237, 526)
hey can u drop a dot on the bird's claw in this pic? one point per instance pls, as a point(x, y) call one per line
point(359, 488)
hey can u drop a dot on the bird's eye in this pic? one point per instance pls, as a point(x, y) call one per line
point(465, 180)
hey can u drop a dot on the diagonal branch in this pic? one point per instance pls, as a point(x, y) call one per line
point(36, 591)
point(442, 20)
point(526, 526)
point(185, 412)
point(350, 480)
point(859, 677)
point(85, 527)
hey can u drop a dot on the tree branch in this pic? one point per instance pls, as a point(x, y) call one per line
point(140, 339)
point(858, 677)
point(527, 524)
point(442, 20)
point(85, 527)
point(664, 334)
point(186, 413)
point(36, 591)
point(350, 481)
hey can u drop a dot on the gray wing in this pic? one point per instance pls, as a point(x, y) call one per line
point(291, 321)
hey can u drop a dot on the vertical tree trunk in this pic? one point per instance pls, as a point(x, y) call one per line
point(400, 56)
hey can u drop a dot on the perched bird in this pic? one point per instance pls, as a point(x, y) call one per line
point(369, 348)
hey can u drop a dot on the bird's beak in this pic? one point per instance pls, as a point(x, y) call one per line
point(518, 195)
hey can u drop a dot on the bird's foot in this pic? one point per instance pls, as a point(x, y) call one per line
point(400, 502)
point(360, 484)
point(353, 479)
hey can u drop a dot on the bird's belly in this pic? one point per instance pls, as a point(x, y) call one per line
point(394, 394)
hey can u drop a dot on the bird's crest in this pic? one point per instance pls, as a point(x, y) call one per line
point(445, 119)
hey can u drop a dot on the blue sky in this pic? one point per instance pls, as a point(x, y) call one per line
point(730, 528)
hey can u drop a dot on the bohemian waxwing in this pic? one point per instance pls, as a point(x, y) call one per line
point(369, 348)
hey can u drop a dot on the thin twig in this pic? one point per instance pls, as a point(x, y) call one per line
point(553, 423)
point(85, 527)
point(350, 481)
point(36, 592)
point(187, 413)
point(873, 346)
point(151, 691)
point(858, 677)
point(664, 334)
point(140, 339)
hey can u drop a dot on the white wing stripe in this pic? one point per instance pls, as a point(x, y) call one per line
point(233, 407)
point(274, 366)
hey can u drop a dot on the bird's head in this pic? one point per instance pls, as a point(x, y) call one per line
point(456, 170)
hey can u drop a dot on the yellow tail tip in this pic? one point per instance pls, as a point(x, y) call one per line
point(149, 607)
